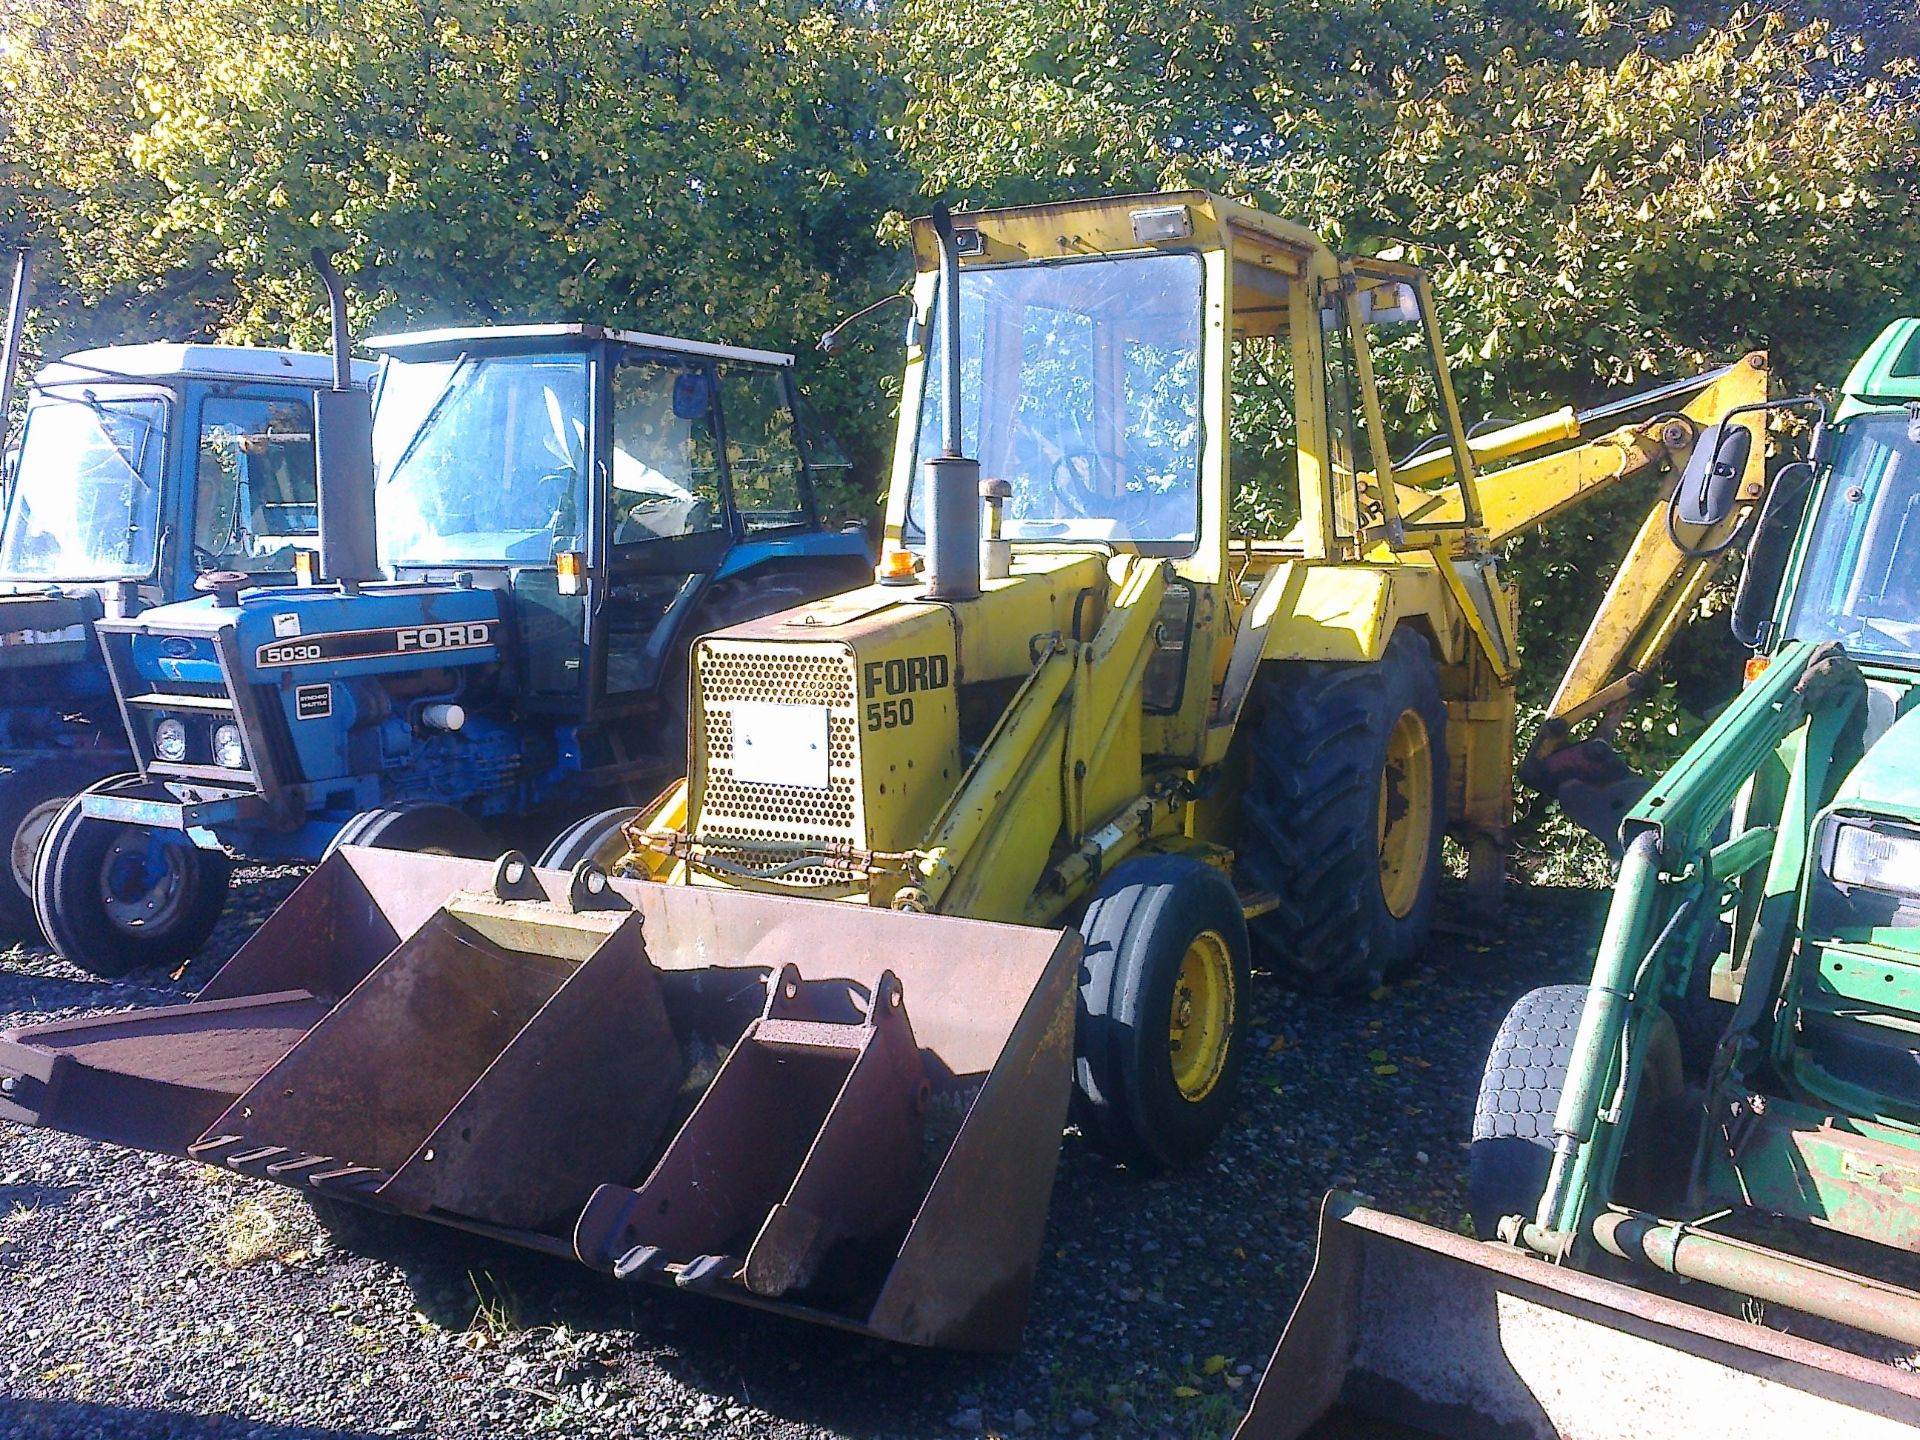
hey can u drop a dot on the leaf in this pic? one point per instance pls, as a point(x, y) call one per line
point(1186, 1392)
point(1213, 1365)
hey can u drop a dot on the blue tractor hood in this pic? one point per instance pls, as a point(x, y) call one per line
point(313, 633)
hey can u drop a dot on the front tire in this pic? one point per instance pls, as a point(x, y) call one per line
point(1526, 1071)
point(1162, 1015)
point(31, 797)
point(1343, 812)
point(601, 838)
point(423, 829)
point(115, 898)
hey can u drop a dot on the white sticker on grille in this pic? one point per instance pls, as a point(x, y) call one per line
point(780, 744)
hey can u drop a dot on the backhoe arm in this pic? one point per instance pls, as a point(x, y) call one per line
point(1655, 590)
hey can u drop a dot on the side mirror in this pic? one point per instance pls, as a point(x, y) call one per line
point(1767, 555)
point(1711, 485)
point(692, 396)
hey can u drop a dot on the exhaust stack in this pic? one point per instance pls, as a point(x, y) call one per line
point(952, 481)
point(10, 345)
point(343, 453)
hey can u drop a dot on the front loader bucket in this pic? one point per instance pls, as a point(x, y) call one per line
point(847, 1114)
point(1405, 1330)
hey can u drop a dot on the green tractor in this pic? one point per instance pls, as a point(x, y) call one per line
point(1734, 1096)
point(1749, 1043)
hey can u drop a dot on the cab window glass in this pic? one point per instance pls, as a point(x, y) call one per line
point(763, 455)
point(665, 478)
point(1264, 436)
point(1350, 444)
point(255, 500)
point(1413, 416)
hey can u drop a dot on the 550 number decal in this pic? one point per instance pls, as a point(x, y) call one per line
point(889, 714)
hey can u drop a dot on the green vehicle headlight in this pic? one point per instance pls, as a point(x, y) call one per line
point(1878, 859)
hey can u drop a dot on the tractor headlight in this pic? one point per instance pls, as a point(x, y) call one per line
point(227, 749)
point(170, 741)
point(1878, 859)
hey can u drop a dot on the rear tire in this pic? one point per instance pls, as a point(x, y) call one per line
point(423, 829)
point(600, 838)
point(31, 797)
point(115, 898)
point(1526, 1071)
point(1161, 1023)
point(1343, 813)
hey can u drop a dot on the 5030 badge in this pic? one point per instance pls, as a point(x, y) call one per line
point(370, 644)
point(900, 678)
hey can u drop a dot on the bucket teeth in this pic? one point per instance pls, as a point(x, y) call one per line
point(707, 1272)
point(642, 1262)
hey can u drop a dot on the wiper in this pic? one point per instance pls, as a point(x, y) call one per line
point(463, 368)
point(105, 411)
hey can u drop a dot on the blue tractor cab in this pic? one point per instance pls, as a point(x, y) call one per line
point(140, 469)
point(558, 511)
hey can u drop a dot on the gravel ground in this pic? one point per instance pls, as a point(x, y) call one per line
point(153, 1297)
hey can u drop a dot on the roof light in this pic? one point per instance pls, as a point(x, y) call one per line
point(1162, 223)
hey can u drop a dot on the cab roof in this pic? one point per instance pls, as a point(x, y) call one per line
point(411, 344)
point(168, 360)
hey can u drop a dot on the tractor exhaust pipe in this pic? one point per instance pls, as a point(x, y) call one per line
point(343, 453)
point(952, 481)
point(16, 330)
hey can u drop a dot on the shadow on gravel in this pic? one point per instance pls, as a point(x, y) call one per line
point(14, 1199)
point(76, 1420)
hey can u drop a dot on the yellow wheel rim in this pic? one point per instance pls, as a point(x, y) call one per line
point(1406, 814)
point(1200, 1027)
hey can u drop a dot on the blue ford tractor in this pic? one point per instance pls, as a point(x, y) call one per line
point(560, 510)
point(140, 470)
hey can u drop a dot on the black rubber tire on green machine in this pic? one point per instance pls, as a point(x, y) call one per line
point(31, 796)
point(76, 870)
point(1139, 928)
point(1317, 734)
point(1526, 1070)
point(424, 829)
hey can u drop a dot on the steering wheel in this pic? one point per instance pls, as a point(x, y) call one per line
point(1073, 481)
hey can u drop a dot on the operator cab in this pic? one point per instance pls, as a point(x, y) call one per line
point(142, 467)
point(554, 459)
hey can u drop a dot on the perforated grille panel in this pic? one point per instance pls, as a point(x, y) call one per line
point(775, 817)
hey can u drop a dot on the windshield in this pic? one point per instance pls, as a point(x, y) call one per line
point(255, 501)
point(86, 490)
point(1860, 579)
point(480, 460)
point(1080, 387)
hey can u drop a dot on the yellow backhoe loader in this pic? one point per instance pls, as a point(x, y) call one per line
point(805, 1034)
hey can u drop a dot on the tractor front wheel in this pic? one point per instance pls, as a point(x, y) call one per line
point(31, 795)
point(423, 829)
point(1343, 812)
point(600, 838)
point(115, 898)
point(1162, 1015)
point(1526, 1070)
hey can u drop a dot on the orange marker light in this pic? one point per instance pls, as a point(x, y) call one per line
point(896, 568)
point(1757, 666)
point(568, 566)
point(303, 567)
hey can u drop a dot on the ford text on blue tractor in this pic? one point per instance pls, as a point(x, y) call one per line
point(560, 510)
point(140, 469)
